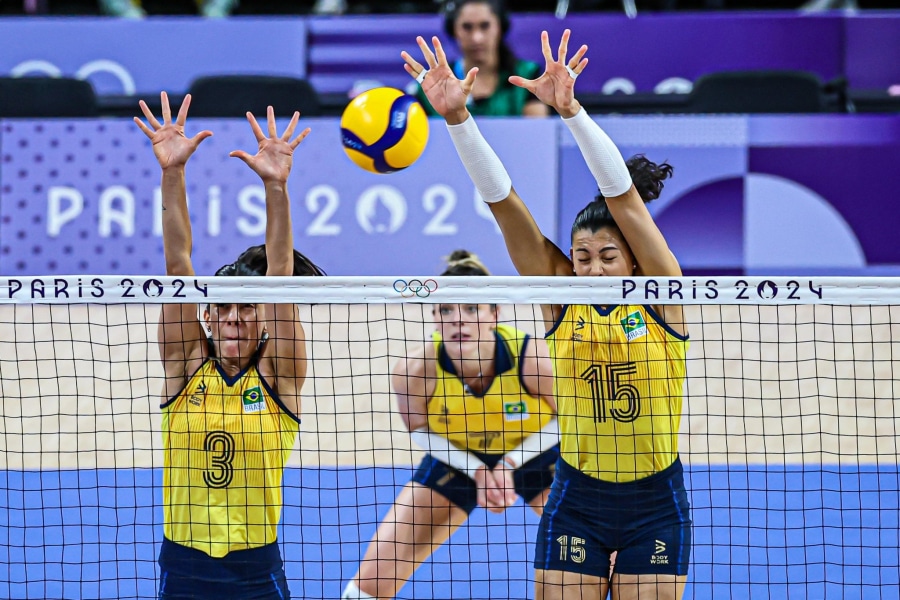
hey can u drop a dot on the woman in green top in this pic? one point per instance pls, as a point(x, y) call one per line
point(479, 28)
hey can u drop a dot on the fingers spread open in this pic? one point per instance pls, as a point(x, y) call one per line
point(412, 66)
point(166, 110)
point(241, 155)
point(521, 82)
point(564, 46)
point(147, 131)
point(200, 137)
point(257, 131)
point(578, 56)
point(300, 138)
point(149, 114)
point(439, 51)
point(291, 126)
point(270, 121)
point(183, 111)
point(469, 81)
point(545, 47)
point(426, 52)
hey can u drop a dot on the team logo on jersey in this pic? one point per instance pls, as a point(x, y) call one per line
point(195, 399)
point(580, 324)
point(659, 557)
point(254, 400)
point(515, 411)
point(634, 326)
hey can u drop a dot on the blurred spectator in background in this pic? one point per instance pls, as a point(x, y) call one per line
point(820, 5)
point(132, 9)
point(479, 28)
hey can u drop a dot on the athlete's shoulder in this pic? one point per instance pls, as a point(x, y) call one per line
point(509, 332)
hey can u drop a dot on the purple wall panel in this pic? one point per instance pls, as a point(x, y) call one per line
point(79, 197)
point(156, 54)
point(656, 47)
point(872, 50)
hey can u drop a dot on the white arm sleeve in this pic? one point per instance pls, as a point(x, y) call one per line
point(481, 162)
point(601, 155)
point(535, 444)
point(442, 449)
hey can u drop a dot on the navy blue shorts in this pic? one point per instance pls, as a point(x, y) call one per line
point(529, 480)
point(646, 521)
point(189, 574)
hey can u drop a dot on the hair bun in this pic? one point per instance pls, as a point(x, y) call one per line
point(459, 256)
point(463, 262)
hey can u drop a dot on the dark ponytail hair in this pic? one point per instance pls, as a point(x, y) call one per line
point(649, 180)
point(253, 262)
point(462, 263)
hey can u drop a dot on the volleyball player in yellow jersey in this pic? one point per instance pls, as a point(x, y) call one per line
point(619, 370)
point(231, 400)
point(477, 398)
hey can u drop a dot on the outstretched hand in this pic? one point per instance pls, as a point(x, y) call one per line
point(556, 86)
point(170, 146)
point(275, 156)
point(446, 92)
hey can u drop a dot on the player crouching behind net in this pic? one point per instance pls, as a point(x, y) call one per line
point(477, 399)
point(231, 399)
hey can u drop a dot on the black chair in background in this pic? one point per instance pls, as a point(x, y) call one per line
point(234, 95)
point(757, 92)
point(43, 97)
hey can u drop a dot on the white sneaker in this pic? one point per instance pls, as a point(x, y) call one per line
point(330, 7)
point(217, 9)
point(128, 9)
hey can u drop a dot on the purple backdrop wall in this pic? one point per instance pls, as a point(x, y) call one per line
point(755, 194)
point(78, 197)
point(652, 52)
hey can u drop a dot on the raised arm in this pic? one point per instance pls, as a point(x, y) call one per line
point(413, 380)
point(531, 252)
point(556, 88)
point(181, 337)
point(284, 358)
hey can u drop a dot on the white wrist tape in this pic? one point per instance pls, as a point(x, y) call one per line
point(442, 449)
point(535, 444)
point(601, 155)
point(481, 162)
point(352, 592)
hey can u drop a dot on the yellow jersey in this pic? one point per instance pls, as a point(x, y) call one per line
point(225, 444)
point(619, 381)
point(496, 421)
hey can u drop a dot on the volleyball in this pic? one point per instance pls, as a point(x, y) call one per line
point(384, 130)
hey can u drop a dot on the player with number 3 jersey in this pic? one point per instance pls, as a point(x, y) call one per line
point(231, 396)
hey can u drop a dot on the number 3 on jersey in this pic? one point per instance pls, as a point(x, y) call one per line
point(608, 388)
point(220, 445)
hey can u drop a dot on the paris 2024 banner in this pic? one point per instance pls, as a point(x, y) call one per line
point(750, 194)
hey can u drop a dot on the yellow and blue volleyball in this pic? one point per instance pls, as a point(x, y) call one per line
point(384, 130)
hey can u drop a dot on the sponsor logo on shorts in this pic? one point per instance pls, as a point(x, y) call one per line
point(254, 401)
point(634, 326)
point(659, 557)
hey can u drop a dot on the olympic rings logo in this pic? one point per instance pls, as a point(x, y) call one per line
point(415, 287)
point(86, 70)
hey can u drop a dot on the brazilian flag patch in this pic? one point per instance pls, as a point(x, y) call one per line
point(254, 401)
point(634, 325)
point(515, 411)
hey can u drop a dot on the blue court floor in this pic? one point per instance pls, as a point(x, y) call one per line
point(786, 532)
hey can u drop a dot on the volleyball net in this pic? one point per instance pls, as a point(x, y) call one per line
point(789, 432)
